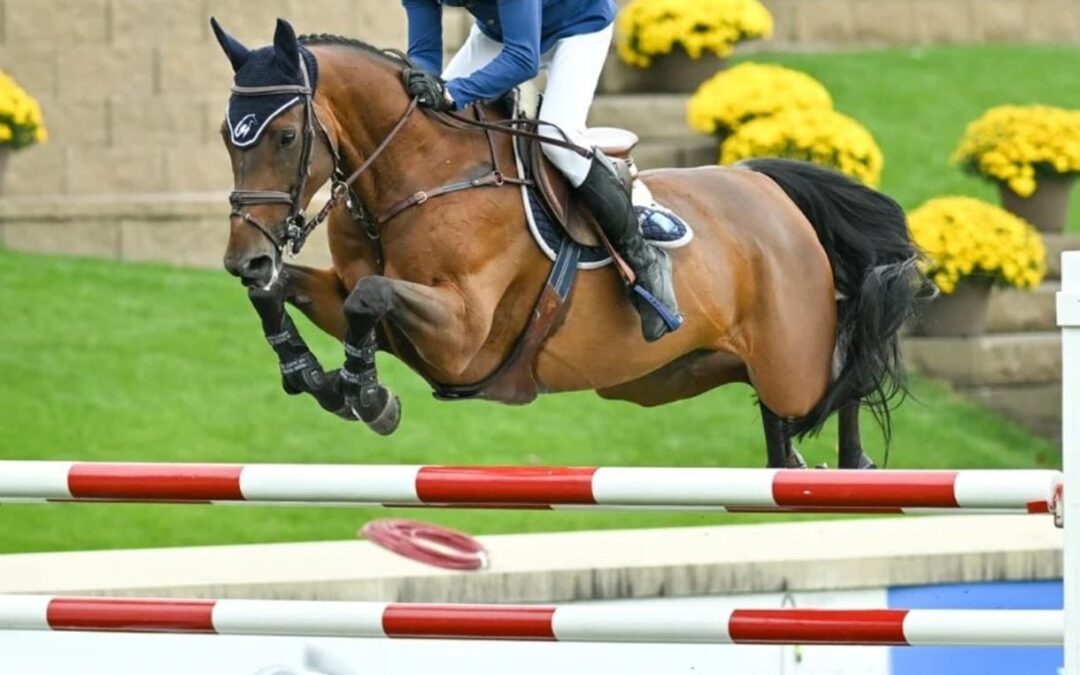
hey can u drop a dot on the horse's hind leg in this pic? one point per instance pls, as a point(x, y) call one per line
point(781, 453)
point(851, 450)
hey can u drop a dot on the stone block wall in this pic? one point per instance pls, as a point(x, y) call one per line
point(133, 90)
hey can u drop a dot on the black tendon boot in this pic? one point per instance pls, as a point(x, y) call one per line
point(654, 291)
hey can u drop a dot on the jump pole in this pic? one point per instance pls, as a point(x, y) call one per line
point(1068, 316)
point(553, 487)
point(551, 623)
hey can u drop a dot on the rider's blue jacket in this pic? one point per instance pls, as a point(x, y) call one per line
point(526, 28)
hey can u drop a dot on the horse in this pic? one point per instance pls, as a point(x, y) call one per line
point(797, 282)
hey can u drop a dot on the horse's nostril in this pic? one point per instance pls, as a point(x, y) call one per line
point(258, 269)
point(255, 270)
point(254, 267)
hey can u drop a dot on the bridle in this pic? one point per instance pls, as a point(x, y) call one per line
point(298, 227)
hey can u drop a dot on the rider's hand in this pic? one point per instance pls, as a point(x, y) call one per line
point(429, 89)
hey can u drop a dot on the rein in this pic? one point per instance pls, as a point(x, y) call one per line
point(298, 227)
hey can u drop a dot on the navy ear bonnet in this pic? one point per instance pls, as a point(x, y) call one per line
point(277, 65)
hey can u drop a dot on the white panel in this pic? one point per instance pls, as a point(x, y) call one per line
point(1068, 314)
point(998, 627)
point(24, 612)
point(323, 483)
point(1004, 489)
point(717, 487)
point(313, 619)
point(640, 624)
point(34, 480)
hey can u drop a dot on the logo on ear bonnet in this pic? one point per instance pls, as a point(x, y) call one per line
point(245, 127)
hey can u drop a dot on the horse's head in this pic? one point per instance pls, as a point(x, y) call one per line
point(280, 151)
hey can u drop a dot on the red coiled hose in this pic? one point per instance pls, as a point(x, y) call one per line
point(426, 543)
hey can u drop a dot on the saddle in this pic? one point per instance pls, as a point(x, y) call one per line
point(556, 194)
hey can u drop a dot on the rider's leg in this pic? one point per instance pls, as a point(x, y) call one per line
point(574, 66)
point(478, 51)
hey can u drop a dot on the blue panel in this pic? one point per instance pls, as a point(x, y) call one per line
point(977, 660)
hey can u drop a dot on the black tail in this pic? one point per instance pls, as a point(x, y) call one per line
point(865, 236)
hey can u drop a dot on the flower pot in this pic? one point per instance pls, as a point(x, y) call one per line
point(1048, 208)
point(674, 73)
point(961, 313)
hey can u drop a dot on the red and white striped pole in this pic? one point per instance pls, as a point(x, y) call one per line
point(568, 623)
point(555, 487)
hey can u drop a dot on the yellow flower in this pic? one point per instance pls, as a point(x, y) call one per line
point(1016, 144)
point(648, 28)
point(735, 96)
point(820, 136)
point(21, 122)
point(963, 237)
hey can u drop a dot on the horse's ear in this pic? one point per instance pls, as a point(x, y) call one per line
point(287, 46)
point(238, 54)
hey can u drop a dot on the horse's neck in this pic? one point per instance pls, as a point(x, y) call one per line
point(367, 106)
point(426, 155)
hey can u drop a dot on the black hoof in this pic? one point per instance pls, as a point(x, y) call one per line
point(387, 421)
point(861, 462)
point(378, 408)
point(865, 462)
point(795, 460)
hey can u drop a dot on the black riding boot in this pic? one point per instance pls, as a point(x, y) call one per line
point(654, 292)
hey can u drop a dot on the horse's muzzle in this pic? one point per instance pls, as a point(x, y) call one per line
point(254, 270)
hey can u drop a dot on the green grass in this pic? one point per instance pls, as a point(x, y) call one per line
point(102, 361)
point(917, 102)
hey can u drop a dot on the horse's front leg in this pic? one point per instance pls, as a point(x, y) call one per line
point(300, 370)
point(434, 319)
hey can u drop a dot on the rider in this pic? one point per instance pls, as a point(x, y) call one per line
point(508, 44)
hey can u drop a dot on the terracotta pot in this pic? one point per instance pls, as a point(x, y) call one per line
point(1048, 208)
point(961, 313)
point(674, 73)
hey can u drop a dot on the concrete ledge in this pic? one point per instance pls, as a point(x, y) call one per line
point(1012, 310)
point(1006, 358)
point(648, 115)
point(148, 206)
point(690, 151)
point(176, 228)
point(560, 567)
point(1055, 244)
point(1037, 407)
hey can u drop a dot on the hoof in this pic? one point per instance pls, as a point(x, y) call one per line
point(387, 421)
point(862, 462)
point(795, 460)
point(382, 412)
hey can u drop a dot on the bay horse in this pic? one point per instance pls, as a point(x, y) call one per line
point(797, 282)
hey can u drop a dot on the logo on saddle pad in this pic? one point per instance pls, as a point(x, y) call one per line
point(245, 127)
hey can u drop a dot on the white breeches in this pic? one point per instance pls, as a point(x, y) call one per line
point(573, 68)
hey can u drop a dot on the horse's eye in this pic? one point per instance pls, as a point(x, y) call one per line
point(287, 137)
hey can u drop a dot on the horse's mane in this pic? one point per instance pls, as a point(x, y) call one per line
point(315, 39)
